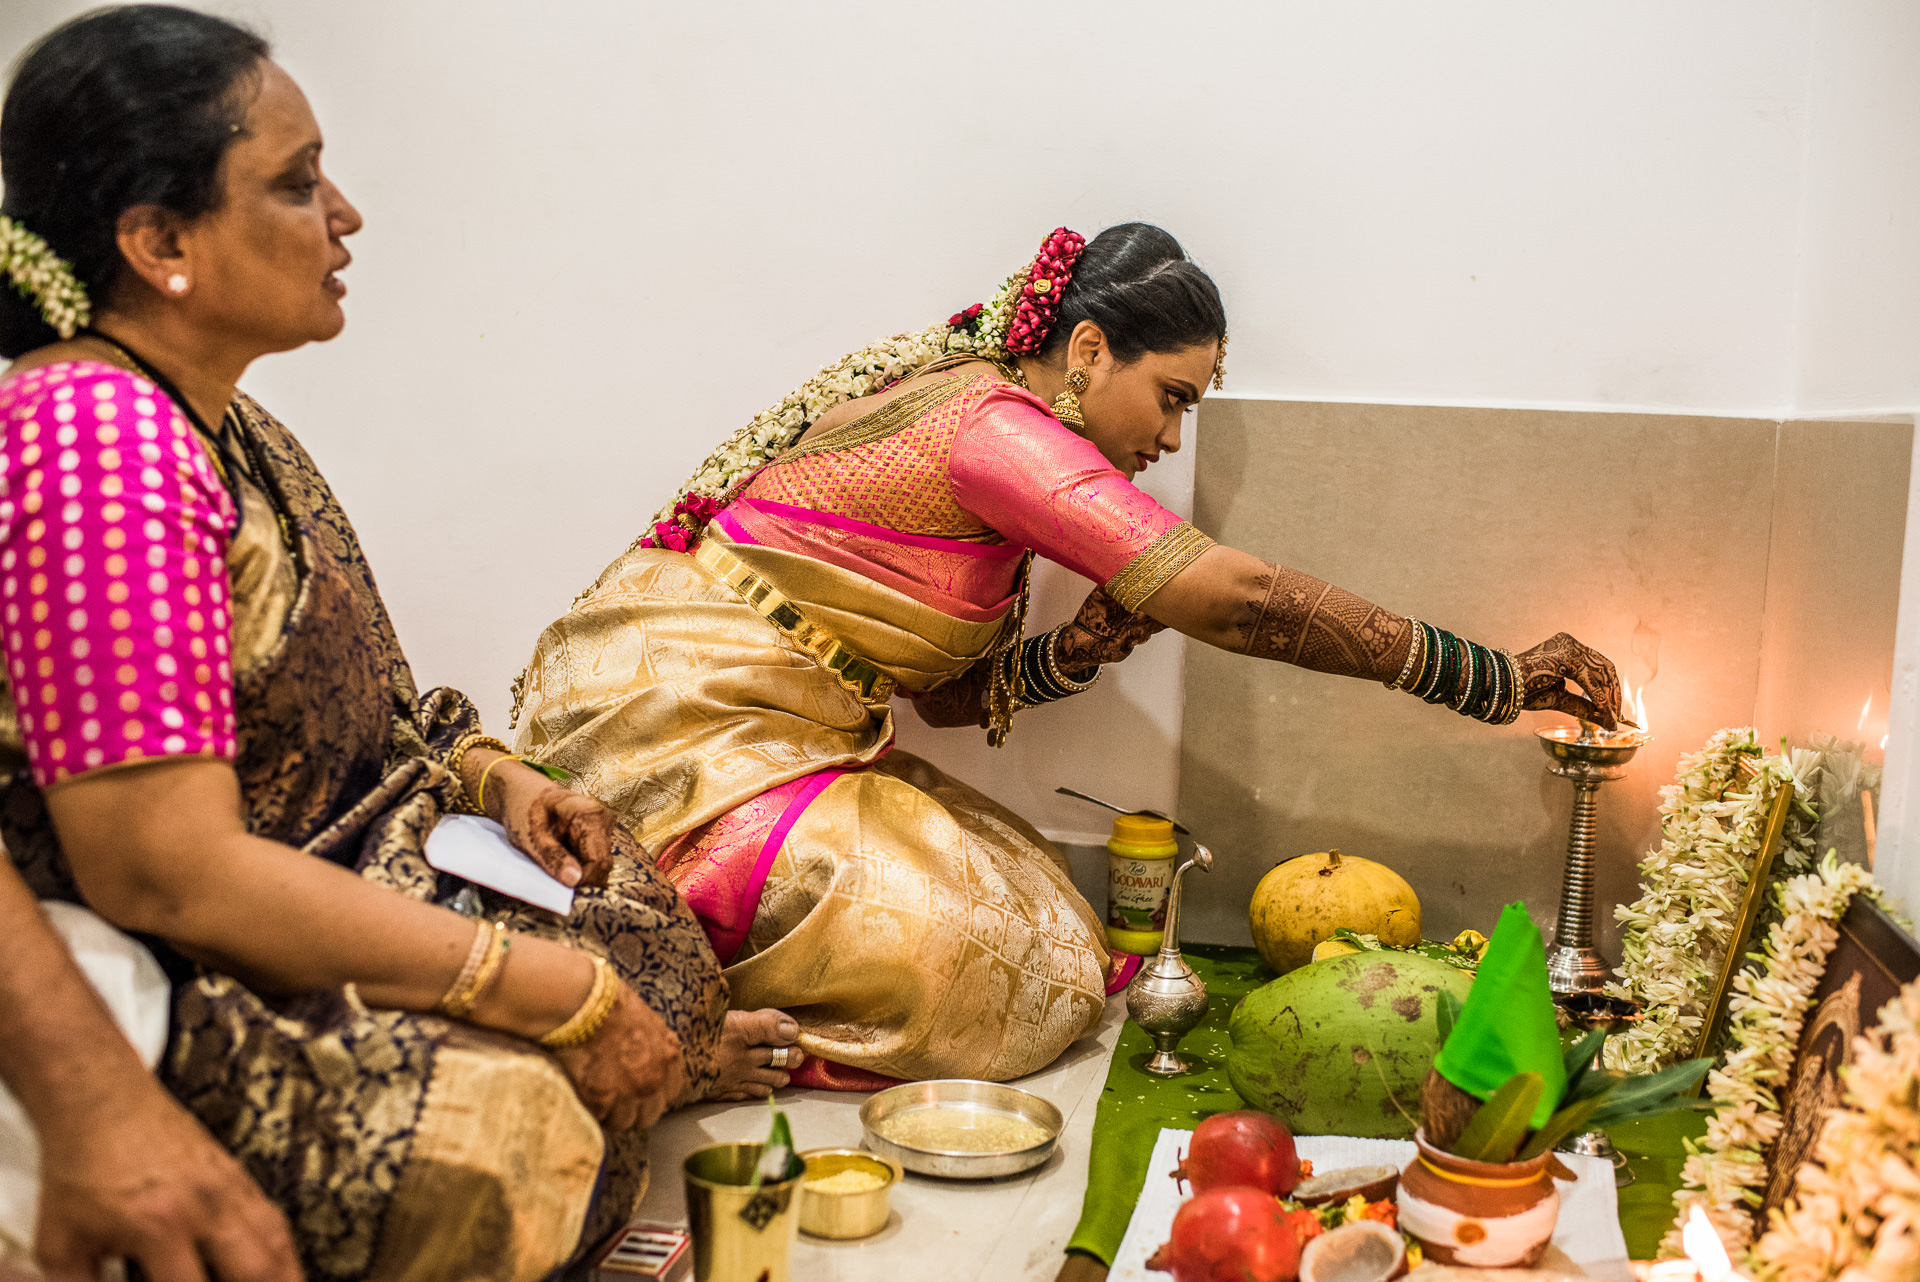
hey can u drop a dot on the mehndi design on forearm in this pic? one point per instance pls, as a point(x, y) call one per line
point(1310, 623)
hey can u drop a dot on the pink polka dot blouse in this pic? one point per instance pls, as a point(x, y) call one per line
point(113, 577)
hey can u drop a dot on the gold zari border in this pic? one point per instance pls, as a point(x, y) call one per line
point(867, 682)
point(1165, 557)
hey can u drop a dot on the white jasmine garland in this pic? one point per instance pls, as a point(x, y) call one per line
point(44, 278)
point(1766, 1013)
point(1855, 1210)
point(861, 373)
point(1674, 936)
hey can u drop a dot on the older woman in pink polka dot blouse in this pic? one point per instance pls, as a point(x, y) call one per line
point(113, 539)
point(209, 735)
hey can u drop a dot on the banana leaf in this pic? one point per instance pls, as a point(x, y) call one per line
point(1500, 1124)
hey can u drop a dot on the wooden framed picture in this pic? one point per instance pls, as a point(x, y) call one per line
point(1871, 962)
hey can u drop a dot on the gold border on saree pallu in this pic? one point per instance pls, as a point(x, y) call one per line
point(1163, 558)
point(867, 682)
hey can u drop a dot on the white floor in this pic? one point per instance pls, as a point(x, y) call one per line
point(1010, 1230)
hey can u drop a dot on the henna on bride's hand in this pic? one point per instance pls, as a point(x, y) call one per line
point(1103, 632)
point(1311, 623)
point(960, 702)
point(1546, 669)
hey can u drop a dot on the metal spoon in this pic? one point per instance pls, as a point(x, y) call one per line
point(1178, 827)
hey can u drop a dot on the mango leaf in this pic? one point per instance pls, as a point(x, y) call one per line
point(1635, 1098)
point(1500, 1124)
point(1446, 1012)
point(1568, 1121)
point(1579, 1063)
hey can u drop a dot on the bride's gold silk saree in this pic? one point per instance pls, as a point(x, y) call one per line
point(732, 706)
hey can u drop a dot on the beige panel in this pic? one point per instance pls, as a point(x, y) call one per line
point(1833, 583)
point(1644, 535)
point(1833, 593)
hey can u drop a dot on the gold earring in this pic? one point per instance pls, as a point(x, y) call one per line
point(1066, 406)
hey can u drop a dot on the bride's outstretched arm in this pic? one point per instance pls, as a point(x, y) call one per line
point(1233, 600)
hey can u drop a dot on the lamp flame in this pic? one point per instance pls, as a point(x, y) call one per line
point(1865, 708)
point(1704, 1248)
point(1633, 703)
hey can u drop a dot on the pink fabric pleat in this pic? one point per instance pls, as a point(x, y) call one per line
point(721, 867)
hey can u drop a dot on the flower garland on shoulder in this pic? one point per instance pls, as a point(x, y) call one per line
point(1766, 1013)
point(1674, 936)
point(1016, 319)
point(1855, 1209)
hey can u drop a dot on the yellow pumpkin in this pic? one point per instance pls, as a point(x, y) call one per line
point(1303, 901)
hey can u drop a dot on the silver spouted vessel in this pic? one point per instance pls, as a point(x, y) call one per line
point(1165, 998)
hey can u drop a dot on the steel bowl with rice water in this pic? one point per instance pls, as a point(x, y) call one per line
point(961, 1128)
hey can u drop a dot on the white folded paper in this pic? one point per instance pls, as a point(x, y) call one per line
point(478, 849)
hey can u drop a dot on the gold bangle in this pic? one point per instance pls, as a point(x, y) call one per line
point(1416, 648)
point(592, 1013)
point(461, 999)
point(476, 952)
point(480, 799)
point(457, 757)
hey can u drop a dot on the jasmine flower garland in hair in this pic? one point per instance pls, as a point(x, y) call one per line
point(980, 330)
point(44, 278)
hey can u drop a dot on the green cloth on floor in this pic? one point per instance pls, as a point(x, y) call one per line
point(1134, 1108)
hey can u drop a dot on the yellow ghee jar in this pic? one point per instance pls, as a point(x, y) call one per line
point(1140, 860)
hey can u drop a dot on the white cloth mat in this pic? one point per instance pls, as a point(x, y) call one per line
point(1588, 1234)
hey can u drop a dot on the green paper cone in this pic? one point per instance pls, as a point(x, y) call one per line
point(1507, 1025)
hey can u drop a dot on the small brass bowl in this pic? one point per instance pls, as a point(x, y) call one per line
point(844, 1215)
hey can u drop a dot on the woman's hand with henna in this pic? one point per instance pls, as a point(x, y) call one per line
point(1546, 669)
point(631, 1070)
point(1104, 631)
point(567, 833)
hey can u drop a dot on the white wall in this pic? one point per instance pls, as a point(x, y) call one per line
point(602, 234)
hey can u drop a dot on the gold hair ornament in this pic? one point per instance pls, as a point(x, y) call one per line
point(1220, 365)
point(43, 278)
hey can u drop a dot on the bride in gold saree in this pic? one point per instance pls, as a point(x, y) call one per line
point(726, 685)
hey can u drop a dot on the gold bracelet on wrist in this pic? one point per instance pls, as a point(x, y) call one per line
point(480, 798)
point(592, 1013)
point(457, 757)
point(476, 978)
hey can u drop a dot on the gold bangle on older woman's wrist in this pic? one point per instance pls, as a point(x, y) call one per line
point(484, 962)
point(480, 797)
point(457, 757)
point(592, 1013)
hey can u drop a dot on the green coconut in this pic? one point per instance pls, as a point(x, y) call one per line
point(1340, 1047)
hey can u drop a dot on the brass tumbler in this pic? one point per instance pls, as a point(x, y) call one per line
point(740, 1232)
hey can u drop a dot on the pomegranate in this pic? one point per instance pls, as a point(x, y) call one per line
point(1233, 1235)
point(1245, 1147)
